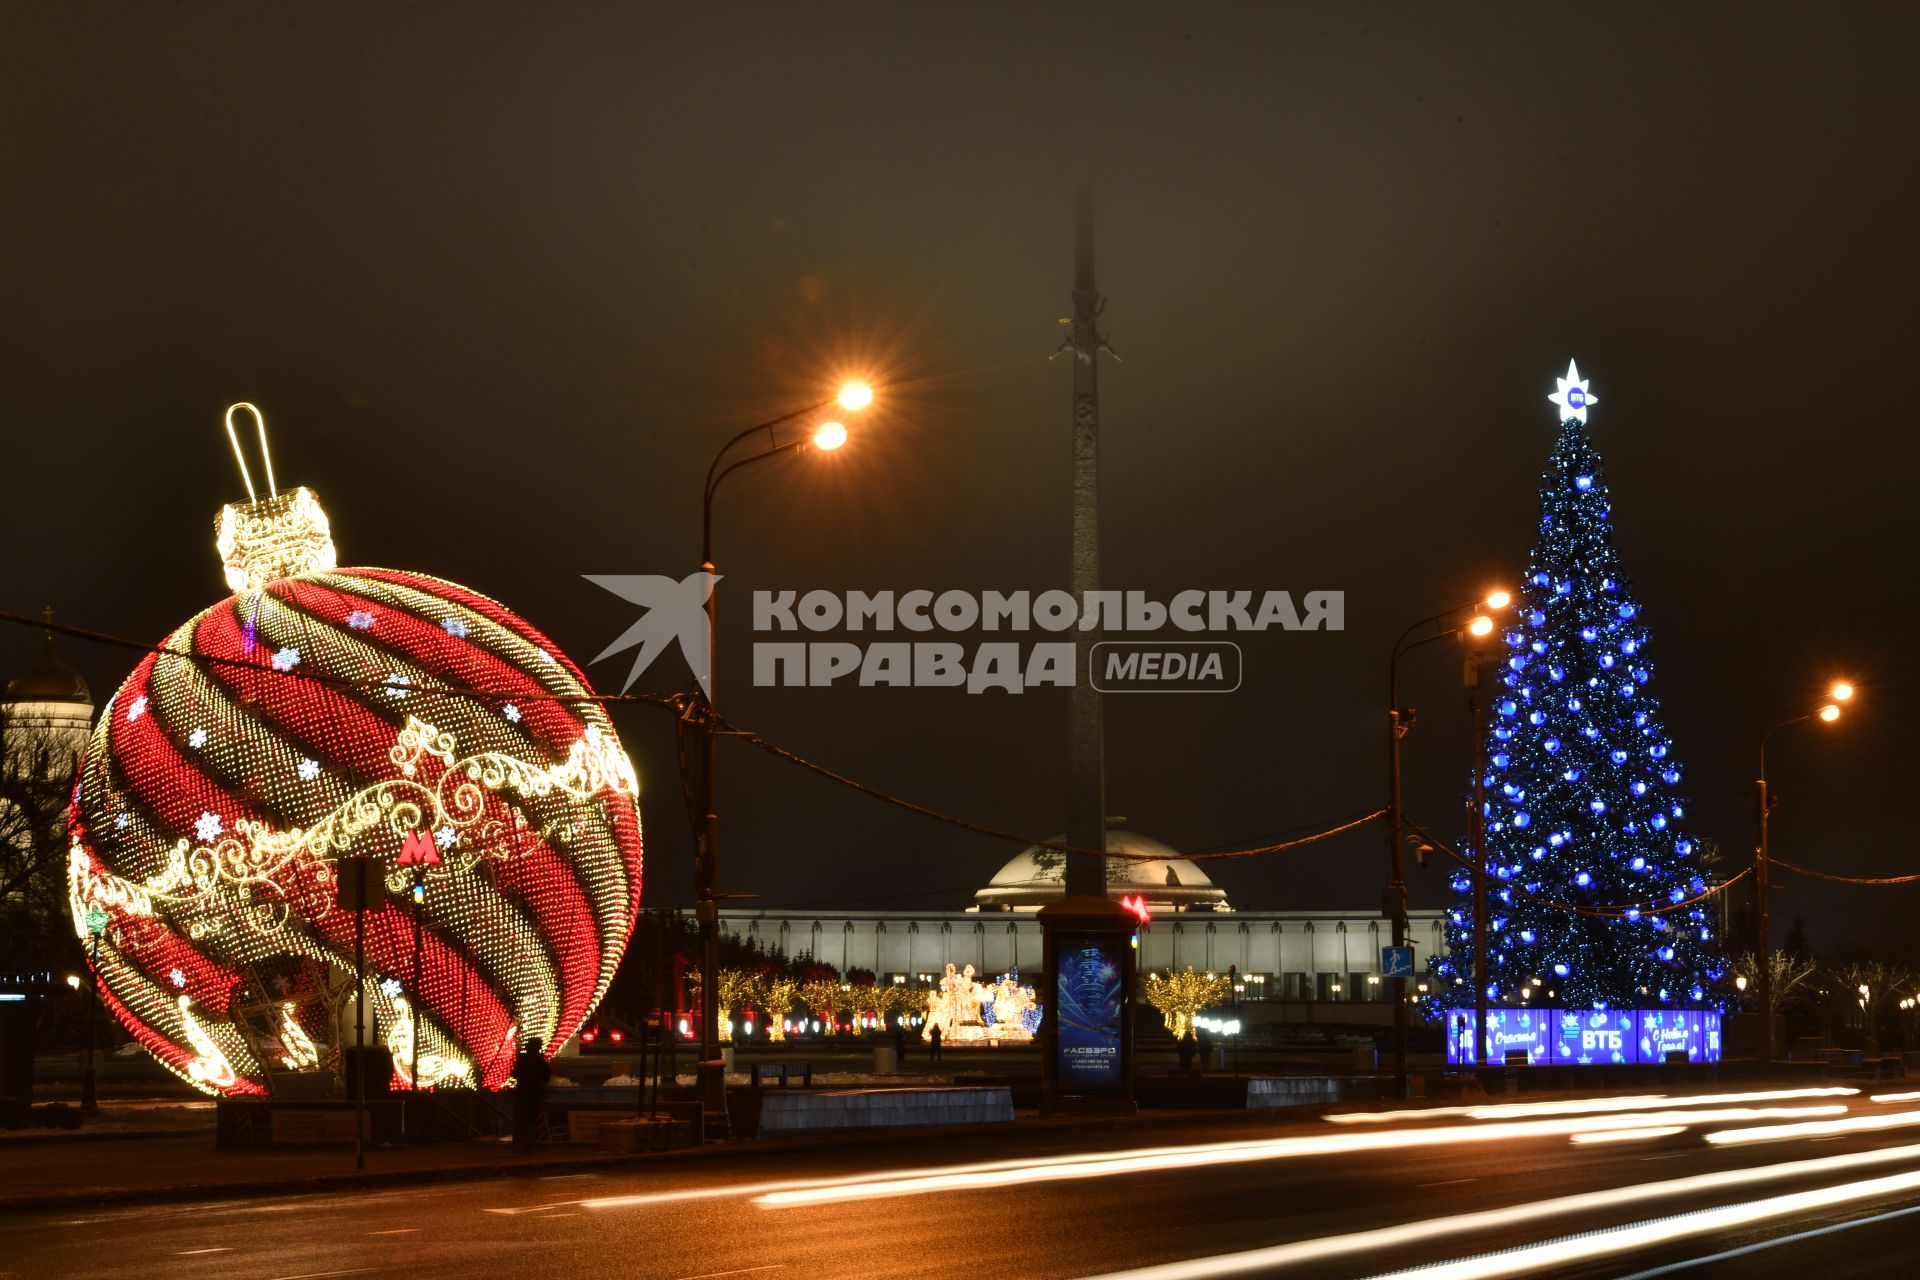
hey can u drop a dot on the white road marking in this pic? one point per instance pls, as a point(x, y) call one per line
point(1450, 1182)
point(190, 1253)
point(322, 1275)
point(743, 1271)
point(395, 1231)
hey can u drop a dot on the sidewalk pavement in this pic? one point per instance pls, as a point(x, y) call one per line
point(161, 1161)
point(187, 1166)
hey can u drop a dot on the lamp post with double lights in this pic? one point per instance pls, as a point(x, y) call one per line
point(1840, 692)
point(1474, 676)
point(824, 434)
point(1400, 722)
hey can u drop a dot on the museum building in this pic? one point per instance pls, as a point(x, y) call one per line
point(1282, 958)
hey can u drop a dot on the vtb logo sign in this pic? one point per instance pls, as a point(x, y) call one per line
point(674, 611)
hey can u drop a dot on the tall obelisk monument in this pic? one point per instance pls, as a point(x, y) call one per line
point(1086, 748)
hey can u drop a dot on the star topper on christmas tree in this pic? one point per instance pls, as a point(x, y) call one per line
point(1573, 396)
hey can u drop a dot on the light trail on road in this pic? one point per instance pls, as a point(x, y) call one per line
point(1578, 1106)
point(1113, 1164)
point(1815, 1129)
point(1629, 1135)
point(1413, 1233)
point(1543, 1258)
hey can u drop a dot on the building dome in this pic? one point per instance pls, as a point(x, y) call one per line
point(49, 680)
point(1156, 873)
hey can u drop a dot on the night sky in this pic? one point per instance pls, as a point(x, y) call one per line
point(503, 282)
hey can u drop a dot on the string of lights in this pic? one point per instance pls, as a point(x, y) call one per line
point(1629, 911)
point(345, 684)
point(1633, 911)
point(680, 704)
point(1778, 861)
point(1056, 846)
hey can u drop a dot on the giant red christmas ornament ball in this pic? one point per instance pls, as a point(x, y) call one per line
point(319, 714)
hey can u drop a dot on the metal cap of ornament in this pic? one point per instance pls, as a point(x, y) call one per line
point(279, 536)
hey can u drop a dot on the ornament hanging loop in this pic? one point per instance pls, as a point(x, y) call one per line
point(266, 458)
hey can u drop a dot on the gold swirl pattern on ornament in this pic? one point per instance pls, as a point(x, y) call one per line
point(243, 873)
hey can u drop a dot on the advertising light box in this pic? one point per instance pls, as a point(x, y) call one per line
point(1565, 1037)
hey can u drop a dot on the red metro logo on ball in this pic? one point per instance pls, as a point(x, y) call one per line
point(319, 714)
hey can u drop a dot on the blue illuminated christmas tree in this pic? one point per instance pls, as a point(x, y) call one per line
point(1594, 887)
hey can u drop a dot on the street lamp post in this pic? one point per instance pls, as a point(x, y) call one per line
point(1233, 975)
point(1400, 723)
point(706, 859)
point(1478, 696)
point(96, 925)
point(419, 1010)
point(1763, 949)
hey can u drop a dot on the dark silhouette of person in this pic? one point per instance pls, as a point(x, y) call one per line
point(899, 1043)
point(933, 1039)
point(530, 1076)
point(1188, 1048)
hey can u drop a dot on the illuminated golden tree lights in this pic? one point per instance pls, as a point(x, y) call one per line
point(1181, 994)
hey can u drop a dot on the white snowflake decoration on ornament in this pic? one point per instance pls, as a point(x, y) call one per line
point(446, 837)
point(197, 739)
point(1573, 396)
point(137, 708)
point(511, 712)
point(455, 628)
point(209, 827)
point(309, 769)
point(397, 685)
point(177, 976)
point(360, 620)
point(286, 659)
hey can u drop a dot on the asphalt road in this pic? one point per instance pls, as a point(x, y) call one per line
point(1320, 1199)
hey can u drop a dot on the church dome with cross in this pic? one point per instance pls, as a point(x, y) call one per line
point(45, 707)
point(1152, 871)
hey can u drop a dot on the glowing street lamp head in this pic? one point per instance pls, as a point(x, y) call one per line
point(829, 435)
point(1480, 626)
point(855, 395)
point(1841, 691)
point(1498, 600)
point(1741, 982)
point(1830, 712)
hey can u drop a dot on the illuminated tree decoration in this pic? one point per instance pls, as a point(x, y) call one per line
point(1182, 994)
point(224, 782)
point(1597, 894)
